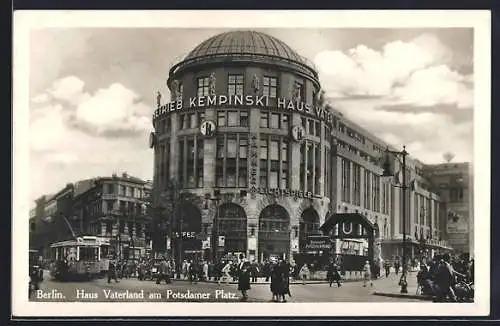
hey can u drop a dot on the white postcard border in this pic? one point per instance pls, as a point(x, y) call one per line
point(26, 20)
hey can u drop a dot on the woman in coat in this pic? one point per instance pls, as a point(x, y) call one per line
point(283, 280)
point(274, 273)
point(244, 280)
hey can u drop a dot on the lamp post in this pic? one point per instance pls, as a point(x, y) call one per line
point(388, 173)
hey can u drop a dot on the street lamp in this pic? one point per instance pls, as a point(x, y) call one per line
point(388, 173)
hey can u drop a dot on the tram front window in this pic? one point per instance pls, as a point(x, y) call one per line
point(89, 254)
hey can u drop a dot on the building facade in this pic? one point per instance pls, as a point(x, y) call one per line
point(453, 182)
point(113, 208)
point(265, 162)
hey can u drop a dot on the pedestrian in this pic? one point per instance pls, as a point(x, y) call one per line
point(267, 269)
point(396, 266)
point(333, 274)
point(254, 271)
point(112, 271)
point(244, 279)
point(283, 276)
point(274, 275)
point(205, 270)
point(163, 272)
point(193, 272)
point(387, 267)
point(225, 272)
point(446, 280)
point(304, 273)
point(367, 274)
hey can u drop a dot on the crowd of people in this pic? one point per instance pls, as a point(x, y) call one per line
point(438, 277)
point(447, 279)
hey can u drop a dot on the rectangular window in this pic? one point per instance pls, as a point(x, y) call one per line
point(376, 193)
point(263, 178)
point(221, 118)
point(317, 129)
point(181, 90)
point(231, 147)
point(274, 150)
point(221, 150)
point(311, 127)
point(285, 121)
point(203, 85)
point(200, 148)
point(264, 120)
point(346, 181)
point(367, 196)
point(269, 86)
point(304, 123)
point(111, 189)
point(357, 185)
point(244, 118)
point(235, 85)
point(232, 118)
point(317, 170)
point(263, 149)
point(302, 165)
point(275, 121)
point(243, 150)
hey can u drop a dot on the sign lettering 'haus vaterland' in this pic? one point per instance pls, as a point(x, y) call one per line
point(245, 101)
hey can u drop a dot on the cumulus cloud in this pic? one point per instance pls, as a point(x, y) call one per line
point(115, 108)
point(398, 71)
point(69, 133)
point(404, 93)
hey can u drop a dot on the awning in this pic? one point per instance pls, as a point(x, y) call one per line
point(347, 217)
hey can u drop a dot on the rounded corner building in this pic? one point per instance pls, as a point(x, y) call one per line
point(243, 136)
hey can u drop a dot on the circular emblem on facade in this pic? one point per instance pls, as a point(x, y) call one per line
point(207, 128)
point(152, 140)
point(298, 132)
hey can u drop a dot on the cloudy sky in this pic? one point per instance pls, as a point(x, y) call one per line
point(92, 92)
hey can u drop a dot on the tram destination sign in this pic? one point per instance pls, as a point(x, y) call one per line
point(244, 101)
point(318, 242)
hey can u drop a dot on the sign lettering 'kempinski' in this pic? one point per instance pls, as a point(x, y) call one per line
point(244, 100)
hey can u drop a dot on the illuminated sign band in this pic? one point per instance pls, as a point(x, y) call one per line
point(244, 100)
point(277, 192)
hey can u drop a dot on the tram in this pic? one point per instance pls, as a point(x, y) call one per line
point(80, 258)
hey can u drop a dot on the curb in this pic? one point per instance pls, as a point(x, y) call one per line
point(406, 296)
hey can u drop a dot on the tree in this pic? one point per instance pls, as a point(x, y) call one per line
point(164, 211)
point(448, 156)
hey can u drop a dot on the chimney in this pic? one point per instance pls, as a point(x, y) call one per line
point(114, 175)
point(124, 175)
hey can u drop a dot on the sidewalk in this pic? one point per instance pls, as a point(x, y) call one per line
point(389, 287)
point(262, 280)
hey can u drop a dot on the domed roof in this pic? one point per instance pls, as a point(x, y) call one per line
point(245, 42)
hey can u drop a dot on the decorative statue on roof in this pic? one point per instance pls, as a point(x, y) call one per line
point(174, 93)
point(158, 99)
point(211, 85)
point(256, 84)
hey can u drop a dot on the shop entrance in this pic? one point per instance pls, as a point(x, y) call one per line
point(350, 228)
point(274, 232)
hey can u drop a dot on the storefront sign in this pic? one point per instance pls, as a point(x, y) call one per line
point(185, 235)
point(245, 100)
point(254, 164)
point(277, 192)
point(318, 243)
